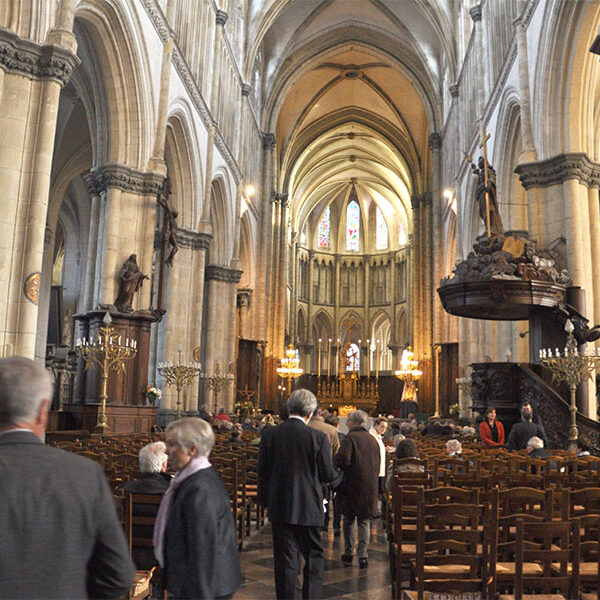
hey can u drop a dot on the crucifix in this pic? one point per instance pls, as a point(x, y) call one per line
point(484, 138)
point(246, 393)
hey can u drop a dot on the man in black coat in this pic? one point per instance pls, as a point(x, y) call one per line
point(293, 461)
point(60, 536)
point(522, 432)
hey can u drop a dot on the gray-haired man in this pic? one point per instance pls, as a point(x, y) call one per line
point(60, 534)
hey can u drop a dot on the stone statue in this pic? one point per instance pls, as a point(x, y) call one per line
point(170, 220)
point(480, 192)
point(130, 281)
point(67, 337)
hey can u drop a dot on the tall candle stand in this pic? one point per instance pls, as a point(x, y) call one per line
point(106, 352)
point(216, 382)
point(179, 375)
point(571, 367)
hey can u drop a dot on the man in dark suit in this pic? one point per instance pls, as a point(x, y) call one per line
point(293, 461)
point(522, 432)
point(60, 536)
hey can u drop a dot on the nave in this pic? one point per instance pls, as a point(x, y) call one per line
point(340, 582)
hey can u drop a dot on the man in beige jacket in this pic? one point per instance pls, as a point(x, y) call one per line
point(318, 422)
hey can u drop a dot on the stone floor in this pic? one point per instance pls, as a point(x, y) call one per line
point(340, 582)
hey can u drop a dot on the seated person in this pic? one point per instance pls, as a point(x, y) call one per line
point(222, 415)
point(535, 448)
point(154, 480)
point(437, 428)
point(405, 449)
point(454, 449)
point(236, 433)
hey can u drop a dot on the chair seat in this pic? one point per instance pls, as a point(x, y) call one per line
point(507, 569)
point(450, 569)
point(534, 597)
point(588, 571)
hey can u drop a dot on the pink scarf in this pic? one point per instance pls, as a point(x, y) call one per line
point(195, 465)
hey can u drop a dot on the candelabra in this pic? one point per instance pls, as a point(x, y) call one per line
point(571, 367)
point(217, 382)
point(409, 373)
point(290, 366)
point(179, 375)
point(106, 352)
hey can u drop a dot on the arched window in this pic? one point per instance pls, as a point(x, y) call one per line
point(381, 231)
point(324, 229)
point(353, 227)
point(303, 236)
point(402, 239)
point(353, 358)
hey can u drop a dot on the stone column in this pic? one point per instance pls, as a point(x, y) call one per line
point(309, 311)
point(367, 286)
point(31, 76)
point(435, 143)
point(475, 12)
point(336, 298)
point(393, 284)
point(90, 265)
point(294, 284)
point(262, 297)
point(416, 274)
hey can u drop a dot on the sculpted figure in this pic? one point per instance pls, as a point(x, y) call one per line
point(170, 220)
point(480, 192)
point(130, 281)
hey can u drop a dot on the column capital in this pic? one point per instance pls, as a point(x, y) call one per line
point(279, 198)
point(268, 141)
point(558, 169)
point(454, 90)
point(435, 140)
point(222, 273)
point(196, 240)
point(221, 17)
point(23, 57)
point(244, 297)
point(416, 201)
point(475, 12)
point(246, 89)
point(127, 179)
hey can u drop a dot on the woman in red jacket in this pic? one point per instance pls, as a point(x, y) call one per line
point(491, 431)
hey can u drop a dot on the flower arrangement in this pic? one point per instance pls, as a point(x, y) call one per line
point(151, 393)
point(454, 409)
point(243, 406)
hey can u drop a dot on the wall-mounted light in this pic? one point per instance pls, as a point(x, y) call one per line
point(250, 190)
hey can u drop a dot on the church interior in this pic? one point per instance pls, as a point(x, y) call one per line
point(392, 203)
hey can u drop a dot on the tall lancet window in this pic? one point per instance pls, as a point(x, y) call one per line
point(402, 239)
point(353, 227)
point(303, 236)
point(353, 358)
point(324, 229)
point(381, 231)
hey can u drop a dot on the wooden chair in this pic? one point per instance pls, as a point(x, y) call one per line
point(553, 545)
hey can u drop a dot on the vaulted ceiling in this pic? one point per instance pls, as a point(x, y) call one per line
point(352, 91)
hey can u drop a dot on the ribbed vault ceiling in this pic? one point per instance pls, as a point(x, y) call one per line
point(351, 90)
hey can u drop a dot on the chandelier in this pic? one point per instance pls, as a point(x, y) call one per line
point(290, 364)
point(409, 370)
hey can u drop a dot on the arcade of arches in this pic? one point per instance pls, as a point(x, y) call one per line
point(317, 153)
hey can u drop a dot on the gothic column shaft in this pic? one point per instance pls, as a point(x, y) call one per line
point(367, 286)
point(594, 220)
point(529, 152)
point(337, 283)
point(92, 249)
point(416, 274)
point(309, 315)
point(110, 253)
point(281, 291)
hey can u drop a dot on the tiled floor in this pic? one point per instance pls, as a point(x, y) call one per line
point(340, 582)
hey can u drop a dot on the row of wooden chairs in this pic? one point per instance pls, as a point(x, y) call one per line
point(466, 540)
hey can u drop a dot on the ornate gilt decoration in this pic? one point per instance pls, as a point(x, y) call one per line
point(31, 287)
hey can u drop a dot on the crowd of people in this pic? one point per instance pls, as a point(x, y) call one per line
point(65, 539)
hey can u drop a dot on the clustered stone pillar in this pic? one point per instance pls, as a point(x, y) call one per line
point(31, 77)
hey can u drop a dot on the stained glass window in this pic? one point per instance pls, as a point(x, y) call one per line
point(402, 239)
point(324, 229)
point(381, 231)
point(352, 358)
point(353, 227)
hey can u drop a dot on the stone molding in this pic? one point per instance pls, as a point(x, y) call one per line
point(195, 240)
point(454, 90)
point(558, 169)
point(279, 198)
point(158, 19)
point(268, 141)
point(435, 140)
point(416, 201)
point(125, 178)
point(244, 297)
point(222, 147)
point(475, 12)
point(222, 273)
point(221, 17)
point(246, 89)
point(23, 57)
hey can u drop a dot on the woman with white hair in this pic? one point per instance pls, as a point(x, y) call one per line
point(453, 448)
point(194, 535)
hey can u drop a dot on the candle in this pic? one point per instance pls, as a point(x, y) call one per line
point(377, 360)
point(328, 356)
point(319, 361)
point(338, 359)
point(368, 358)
